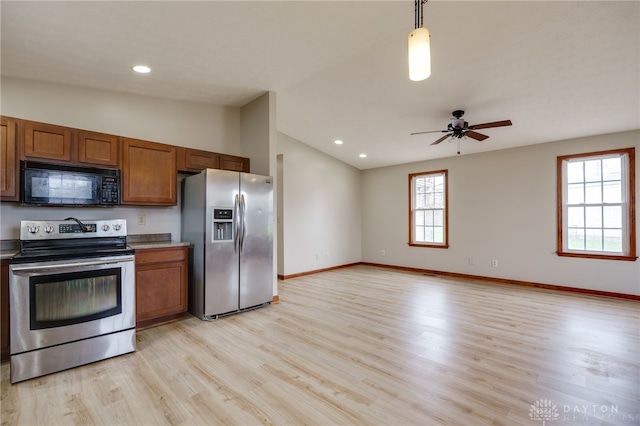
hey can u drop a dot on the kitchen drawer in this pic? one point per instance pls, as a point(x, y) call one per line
point(160, 255)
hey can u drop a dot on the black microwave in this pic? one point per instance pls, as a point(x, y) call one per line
point(61, 185)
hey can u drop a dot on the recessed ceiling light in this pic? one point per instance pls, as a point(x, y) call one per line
point(363, 155)
point(338, 142)
point(142, 69)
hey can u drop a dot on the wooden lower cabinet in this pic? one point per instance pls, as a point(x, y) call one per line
point(4, 313)
point(161, 285)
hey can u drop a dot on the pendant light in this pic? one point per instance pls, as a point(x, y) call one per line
point(419, 47)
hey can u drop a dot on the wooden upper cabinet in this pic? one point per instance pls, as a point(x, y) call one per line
point(47, 142)
point(50, 142)
point(148, 169)
point(97, 149)
point(194, 160)
point(149, 173)
point(8, 158)
point(231, 162)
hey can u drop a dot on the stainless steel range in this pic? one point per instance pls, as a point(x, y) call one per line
point(72, 295)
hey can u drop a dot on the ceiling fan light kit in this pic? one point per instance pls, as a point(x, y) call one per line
point(458, 128)
point(419, 47)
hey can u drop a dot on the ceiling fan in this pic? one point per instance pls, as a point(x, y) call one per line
point(458, 128)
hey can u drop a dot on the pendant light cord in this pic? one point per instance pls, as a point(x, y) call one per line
point(419, 21)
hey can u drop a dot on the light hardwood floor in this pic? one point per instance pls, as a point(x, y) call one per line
point(364, 346)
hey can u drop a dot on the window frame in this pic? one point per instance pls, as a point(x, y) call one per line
point(445, 243)
point(629, 221)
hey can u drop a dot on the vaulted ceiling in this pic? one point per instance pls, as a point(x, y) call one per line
point(558, 70)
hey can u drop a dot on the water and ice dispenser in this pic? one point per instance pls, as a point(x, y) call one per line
point(222, 225)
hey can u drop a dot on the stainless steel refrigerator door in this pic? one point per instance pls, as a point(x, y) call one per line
point(221, 292)
point(194, 231)
point(256, 240)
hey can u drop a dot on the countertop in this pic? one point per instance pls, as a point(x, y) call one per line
point(7, 254)
point(149, 241)
point(8, 248)
point(157, 244)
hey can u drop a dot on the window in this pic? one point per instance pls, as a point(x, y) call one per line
point(596, 205)
point(428, 215)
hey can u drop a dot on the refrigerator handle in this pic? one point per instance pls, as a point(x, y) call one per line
point(236, 221)
point(243, 208)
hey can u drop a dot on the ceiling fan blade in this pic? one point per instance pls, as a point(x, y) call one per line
point(488, 125)
point(430, 131)
point(475, 135)
point(441, 139)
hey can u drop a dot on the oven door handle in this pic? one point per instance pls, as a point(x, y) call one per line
point(69, 267)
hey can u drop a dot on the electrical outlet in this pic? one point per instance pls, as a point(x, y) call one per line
point(317, 257)
point(470, 261)
point(142, 219)
point(494, 263)
point(383, 252)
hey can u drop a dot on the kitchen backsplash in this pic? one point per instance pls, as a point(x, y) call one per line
point(156, 219)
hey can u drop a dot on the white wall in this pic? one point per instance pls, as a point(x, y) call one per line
point(321, 213)
point(280, 210)
point(502, 205)
point(258, 134)
point(159, 220)
point(258, 141)
point(190, 124)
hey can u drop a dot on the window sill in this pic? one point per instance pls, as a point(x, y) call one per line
point(598, 256)
point(426, 245)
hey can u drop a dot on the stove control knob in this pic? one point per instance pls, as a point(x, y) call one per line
point(48, 229)
point(117, 226)
point(33, 229)
point(105, 227)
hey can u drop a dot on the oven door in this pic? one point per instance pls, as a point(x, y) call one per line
point(57, 302)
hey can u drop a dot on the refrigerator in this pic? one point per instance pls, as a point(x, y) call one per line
point(228, 219)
